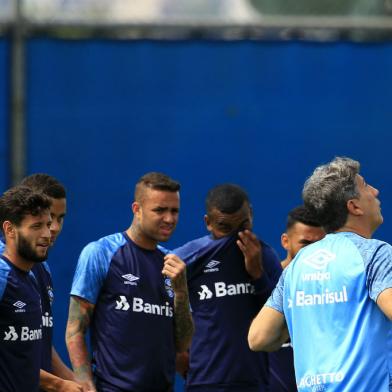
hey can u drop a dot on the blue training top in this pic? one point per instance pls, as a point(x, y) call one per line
point(328, 295)
point(132, 330)
point(224, 300)
point(43, 278)
point(20, 329)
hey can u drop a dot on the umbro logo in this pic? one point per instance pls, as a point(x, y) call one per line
point(319, 259)
point(212, 266)
point(122, 304)
point(19, 305)
point(130, 279)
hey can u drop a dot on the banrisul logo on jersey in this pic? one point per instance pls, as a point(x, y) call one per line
point(139, 305)
point(222, 289)
point(22, 334)
point(316, 294)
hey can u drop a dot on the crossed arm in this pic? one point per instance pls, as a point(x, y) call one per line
point(79, 318)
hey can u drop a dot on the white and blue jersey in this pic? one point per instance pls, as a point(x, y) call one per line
point(224, 300)
point(132, 329)
point(43, 278)
point(20, 329)
point(328, 295)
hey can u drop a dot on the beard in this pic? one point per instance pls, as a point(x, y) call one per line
point(26, 251)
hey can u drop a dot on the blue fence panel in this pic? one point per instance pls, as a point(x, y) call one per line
point(260, 114)
point(4, 118)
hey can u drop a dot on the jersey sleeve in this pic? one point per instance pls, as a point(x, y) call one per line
point(275, 301)
point(379, 271)
point(91, 271)
point(4, 272)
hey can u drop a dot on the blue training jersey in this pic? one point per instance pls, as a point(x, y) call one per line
point(328, 295)
point(282, 374)
point(20, 329)
point(224, 300)
point(43, 278)
point(132, 330)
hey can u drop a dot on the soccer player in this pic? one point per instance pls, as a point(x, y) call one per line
point(25, 222)
point(302, 228)
point(335, 298)
point(230, 275)
point(134, 299)
point(54, 375)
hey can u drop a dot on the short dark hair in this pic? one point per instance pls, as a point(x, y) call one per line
point(19, 201)
point(226, 198)
point(157, 181)
point(42, 182)
point(303, 215)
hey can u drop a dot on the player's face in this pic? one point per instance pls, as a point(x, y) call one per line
point(33, 237)
point(369, 203)
point(300, 235)
point(57, 213)
point(157, 215)
point(221, 224)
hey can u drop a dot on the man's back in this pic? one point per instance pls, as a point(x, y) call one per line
point(338, 332)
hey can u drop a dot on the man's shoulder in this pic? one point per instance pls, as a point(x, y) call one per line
point(199, 248)
point(364, 245)
point(109, 243)
point(194, 244)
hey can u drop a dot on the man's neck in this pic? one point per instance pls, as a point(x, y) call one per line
point(140, 239)
point(284, 263)
point(360, 230)
point(18, 261)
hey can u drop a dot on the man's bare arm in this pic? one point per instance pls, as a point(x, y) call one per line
point(79, 318)
point(175, 269)
point(59, 368)
point(268, 330)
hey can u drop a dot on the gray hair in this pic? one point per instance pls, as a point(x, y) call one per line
point(328, 189)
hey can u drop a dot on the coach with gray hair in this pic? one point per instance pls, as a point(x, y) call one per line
point(335, 298)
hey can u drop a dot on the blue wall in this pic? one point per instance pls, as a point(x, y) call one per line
point(4, 91)
point(261, 114)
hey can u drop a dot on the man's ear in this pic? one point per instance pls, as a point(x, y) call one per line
point(207, 221)
point(284, 240)
point(354, 207)
point(9, 229)
point(135, 207)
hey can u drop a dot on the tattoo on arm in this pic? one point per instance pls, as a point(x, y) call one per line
point(183, 323)
point(80, 314)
